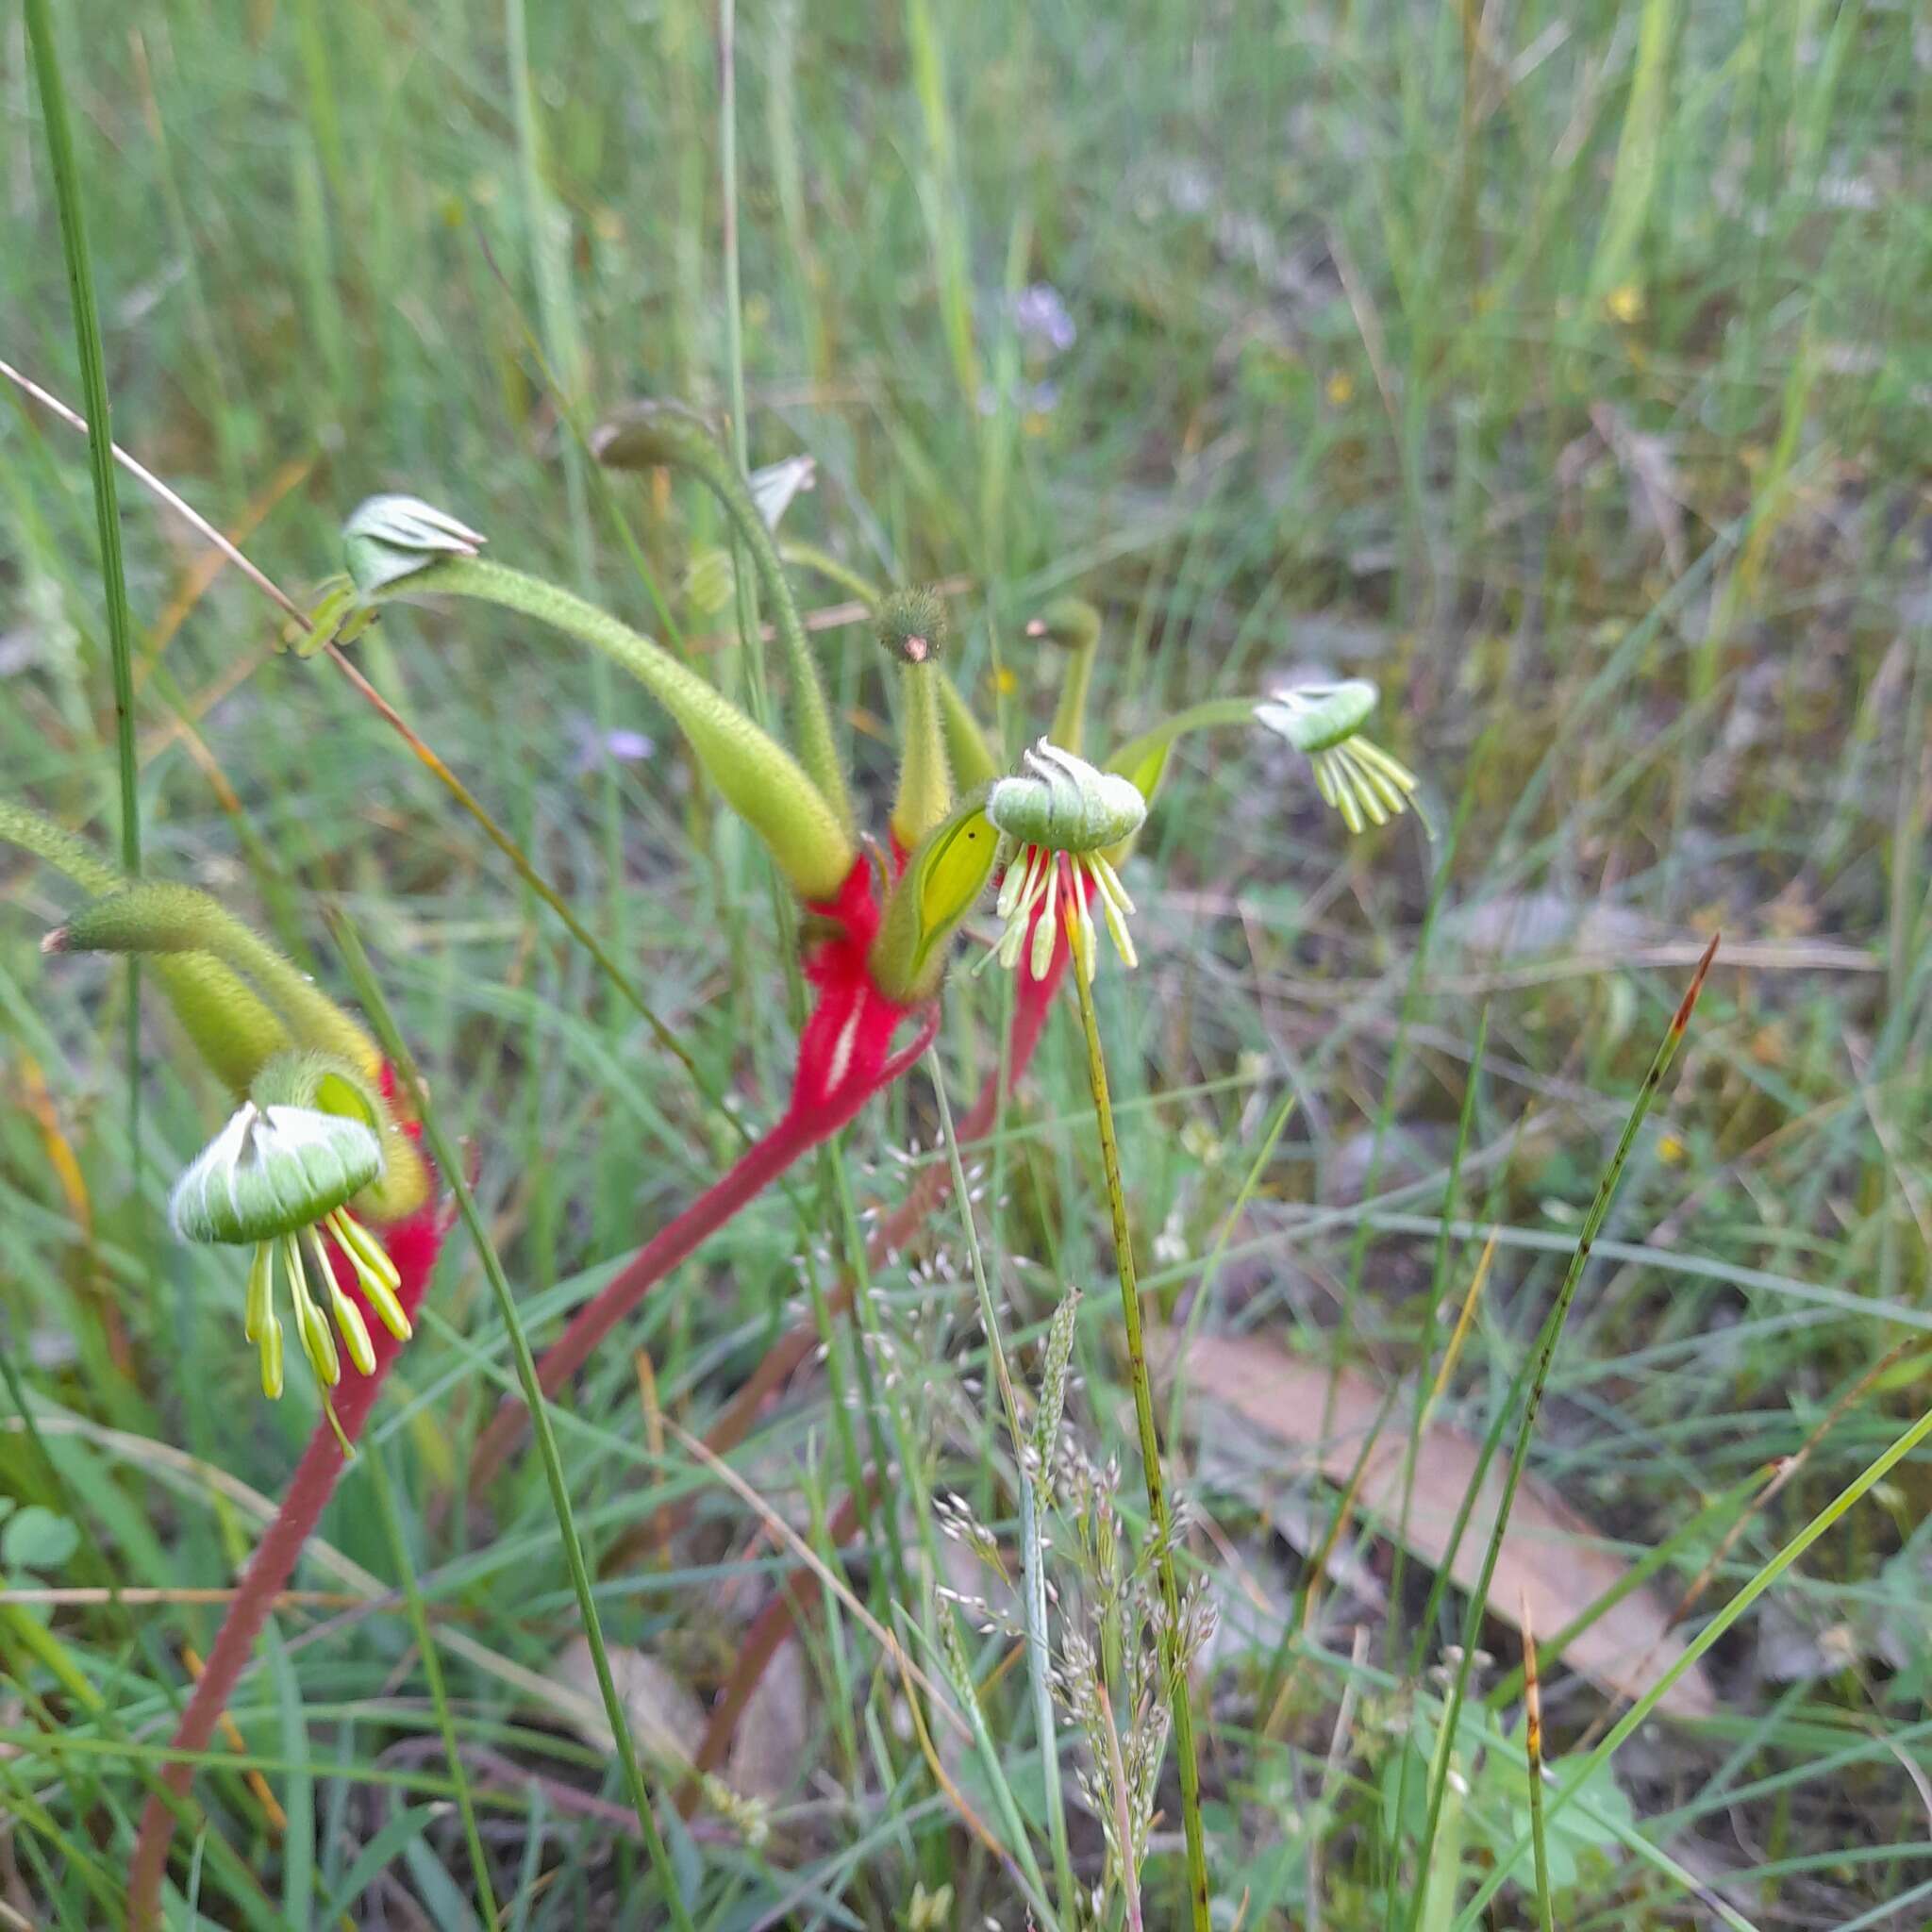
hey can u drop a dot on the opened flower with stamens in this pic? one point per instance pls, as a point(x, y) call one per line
point(1354, 775)
point(280, 1177)
point(1058, 817)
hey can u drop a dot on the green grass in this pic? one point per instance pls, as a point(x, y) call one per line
point(1577, 388)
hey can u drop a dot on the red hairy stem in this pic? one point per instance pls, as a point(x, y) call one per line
point(413, 1245)
point(845, 1058)
point(782, 1616)
point(927, 1194)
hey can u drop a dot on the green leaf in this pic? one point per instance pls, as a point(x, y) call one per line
point(36, 1539)
point(943, 878)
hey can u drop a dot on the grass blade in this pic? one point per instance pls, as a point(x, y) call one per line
point(449, 1160)
point(1540, 1375)
point(100, 449)
point(1533, 1747)
point(100, 440)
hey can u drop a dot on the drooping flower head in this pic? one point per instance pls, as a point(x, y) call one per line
point(280, 1177)
point(1059, 815)
point(1324, 722)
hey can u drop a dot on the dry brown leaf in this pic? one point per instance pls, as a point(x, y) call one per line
point(768, 1747)
point(665, 1717)
point(1550, 1555)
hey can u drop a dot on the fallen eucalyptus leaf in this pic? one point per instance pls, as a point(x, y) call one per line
point(1550, 1554)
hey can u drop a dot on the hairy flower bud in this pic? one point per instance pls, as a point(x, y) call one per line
point(912, 631)
point(912, 626)
point(392, 536)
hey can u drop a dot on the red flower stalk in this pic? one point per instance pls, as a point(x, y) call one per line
point(845, 1058)
point(413, 1244)
point(928, 1193)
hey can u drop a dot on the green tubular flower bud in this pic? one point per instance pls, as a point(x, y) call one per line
point(171, 920)
point(152, 916)
point(1073, 625)
point(912, 631)
point(650, 435)
point(968, 748)
point(946, 873)
point(759, 778)
point(232, 1030)
point(387, 538)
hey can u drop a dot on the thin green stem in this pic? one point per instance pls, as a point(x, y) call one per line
point(1438, 1278)
point(1539, 1374)
point(1032, 1479)
point(1070, 714)
point(548, 240)
point(449, 1161)
point(1142, 750)
point(834, 1190)
point(822, 563)
point(1161, 1518)
point(93, 384)
point(1533, 1766)
point(100, 446)
point(432, 1670)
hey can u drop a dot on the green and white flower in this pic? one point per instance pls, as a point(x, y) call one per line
point(278, 1177)
point(1059, 815)
point(1325, 721)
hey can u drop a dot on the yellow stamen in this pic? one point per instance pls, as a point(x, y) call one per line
point(1046, 933)
point(376, 1273)
point(271, 1358)
point(355, 1330)
point(318, 1344)
point(262, 1289)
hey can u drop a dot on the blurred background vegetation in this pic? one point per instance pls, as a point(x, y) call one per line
point(1564, 369)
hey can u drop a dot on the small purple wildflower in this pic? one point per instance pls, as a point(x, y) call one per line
point(1041, 316)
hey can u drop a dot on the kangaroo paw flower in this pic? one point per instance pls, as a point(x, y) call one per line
point(1058, 816)
point(278, 1178)
point(1324, 722)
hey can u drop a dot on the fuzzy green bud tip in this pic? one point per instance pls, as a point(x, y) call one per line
point(912, 626)
point(1071, 623)
point(647, 434)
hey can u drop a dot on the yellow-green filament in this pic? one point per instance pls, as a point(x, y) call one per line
point(355, 1330)
point(376, 1273)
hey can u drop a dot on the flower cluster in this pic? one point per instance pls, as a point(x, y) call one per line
point(1059, 818)
point(279, 1179)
